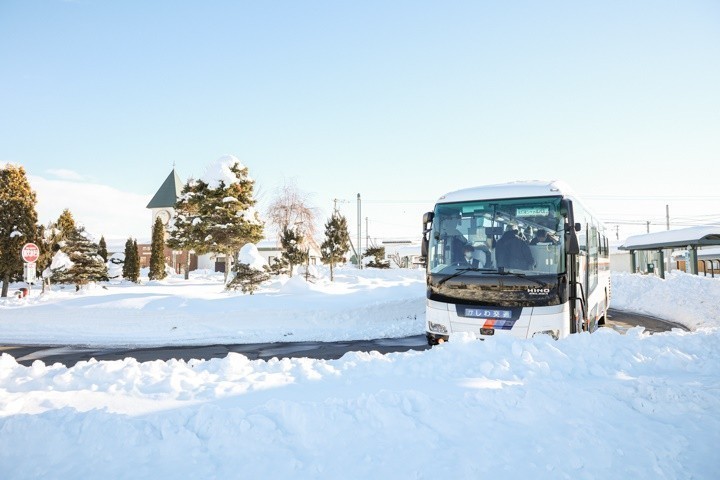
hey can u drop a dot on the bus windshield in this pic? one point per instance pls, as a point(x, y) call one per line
point(522, 235)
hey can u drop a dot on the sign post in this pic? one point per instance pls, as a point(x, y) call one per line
point(30, 253)
point(30, 272)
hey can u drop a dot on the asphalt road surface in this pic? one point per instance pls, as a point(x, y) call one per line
point(70, 355)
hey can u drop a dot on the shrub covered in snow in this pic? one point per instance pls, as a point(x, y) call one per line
point(250, 270)
point(115, 265)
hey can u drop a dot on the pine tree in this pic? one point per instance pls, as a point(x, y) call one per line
point(18, 221)
point(337, 241)
point(103, 249)
point(157, 252)
point(130, 271)
point(58, 231)
point(279, 266)
point(65, 224)
point(54, 239)
point(45, 242)
point(228, 215)
point(136, 261)
point(247, 278)
point(293, 252)
point(88, 266)
point(217, 217)
point(378, 257)
point(186, 231)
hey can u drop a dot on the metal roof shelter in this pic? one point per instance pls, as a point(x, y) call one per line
point(691, 238)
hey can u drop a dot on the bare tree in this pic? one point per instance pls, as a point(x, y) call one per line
point(291, 209)
point(397, 259)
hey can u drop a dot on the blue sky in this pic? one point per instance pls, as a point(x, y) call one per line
point(398, 100)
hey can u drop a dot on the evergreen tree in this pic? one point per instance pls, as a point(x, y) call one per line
point(54, 239)
point(217, 215)
point(228, 217)
point(65, 225)
point(103, 249)
point(378, 257)
point(250, 270)
point(45, 242)
point(337, 241)
point(293, 251)
point(18, 221)
point(247, 278)
point(136, 260)
point(279, 266)
point(130, 271)
point(157, 252)
point(186, 231)
point(88, 266)
point(58, 231)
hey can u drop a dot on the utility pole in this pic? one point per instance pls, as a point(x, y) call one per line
point(617, 232)
point(358, 255)
point(335, 203)
point(648, 226)
point(667, 222)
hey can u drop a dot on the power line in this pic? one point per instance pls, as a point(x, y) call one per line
point(653, 197)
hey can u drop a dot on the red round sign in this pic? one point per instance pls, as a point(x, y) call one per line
point(30, 252)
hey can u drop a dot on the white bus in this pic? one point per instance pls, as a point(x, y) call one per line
point(522, 258)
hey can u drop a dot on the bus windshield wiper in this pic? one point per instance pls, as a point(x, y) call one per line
point(462, 271)
point(502, 271)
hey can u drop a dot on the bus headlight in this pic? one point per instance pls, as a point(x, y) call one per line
point(555, 334)
point(437, 327)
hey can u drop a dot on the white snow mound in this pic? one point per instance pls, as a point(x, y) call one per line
point(249, 255)
point(219, 170)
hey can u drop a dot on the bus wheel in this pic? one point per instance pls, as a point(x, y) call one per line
point(601, 320)
point(603, 313)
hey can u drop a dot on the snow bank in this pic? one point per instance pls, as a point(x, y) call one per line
point(691, 300)
point(604, 405)
point(359, 305)
point(591, 406)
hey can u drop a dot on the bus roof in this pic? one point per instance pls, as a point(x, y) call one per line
point(534, 188)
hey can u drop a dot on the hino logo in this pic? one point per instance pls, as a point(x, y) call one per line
point(538, 291)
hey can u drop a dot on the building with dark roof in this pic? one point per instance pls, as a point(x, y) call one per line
point(163, 202)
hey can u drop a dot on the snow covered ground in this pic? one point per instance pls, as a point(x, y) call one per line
point(358, 305)
point(604, 405)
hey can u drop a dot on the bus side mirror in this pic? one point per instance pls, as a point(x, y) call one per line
point(427, 218)
point(572, 246)
point(566, 207)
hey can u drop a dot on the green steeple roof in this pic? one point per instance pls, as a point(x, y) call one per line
point(168, 193)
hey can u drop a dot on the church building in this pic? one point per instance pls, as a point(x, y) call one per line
point(162, 206)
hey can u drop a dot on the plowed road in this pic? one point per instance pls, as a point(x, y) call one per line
point(70, 355)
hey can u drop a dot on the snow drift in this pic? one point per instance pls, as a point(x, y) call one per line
point(604, 405)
